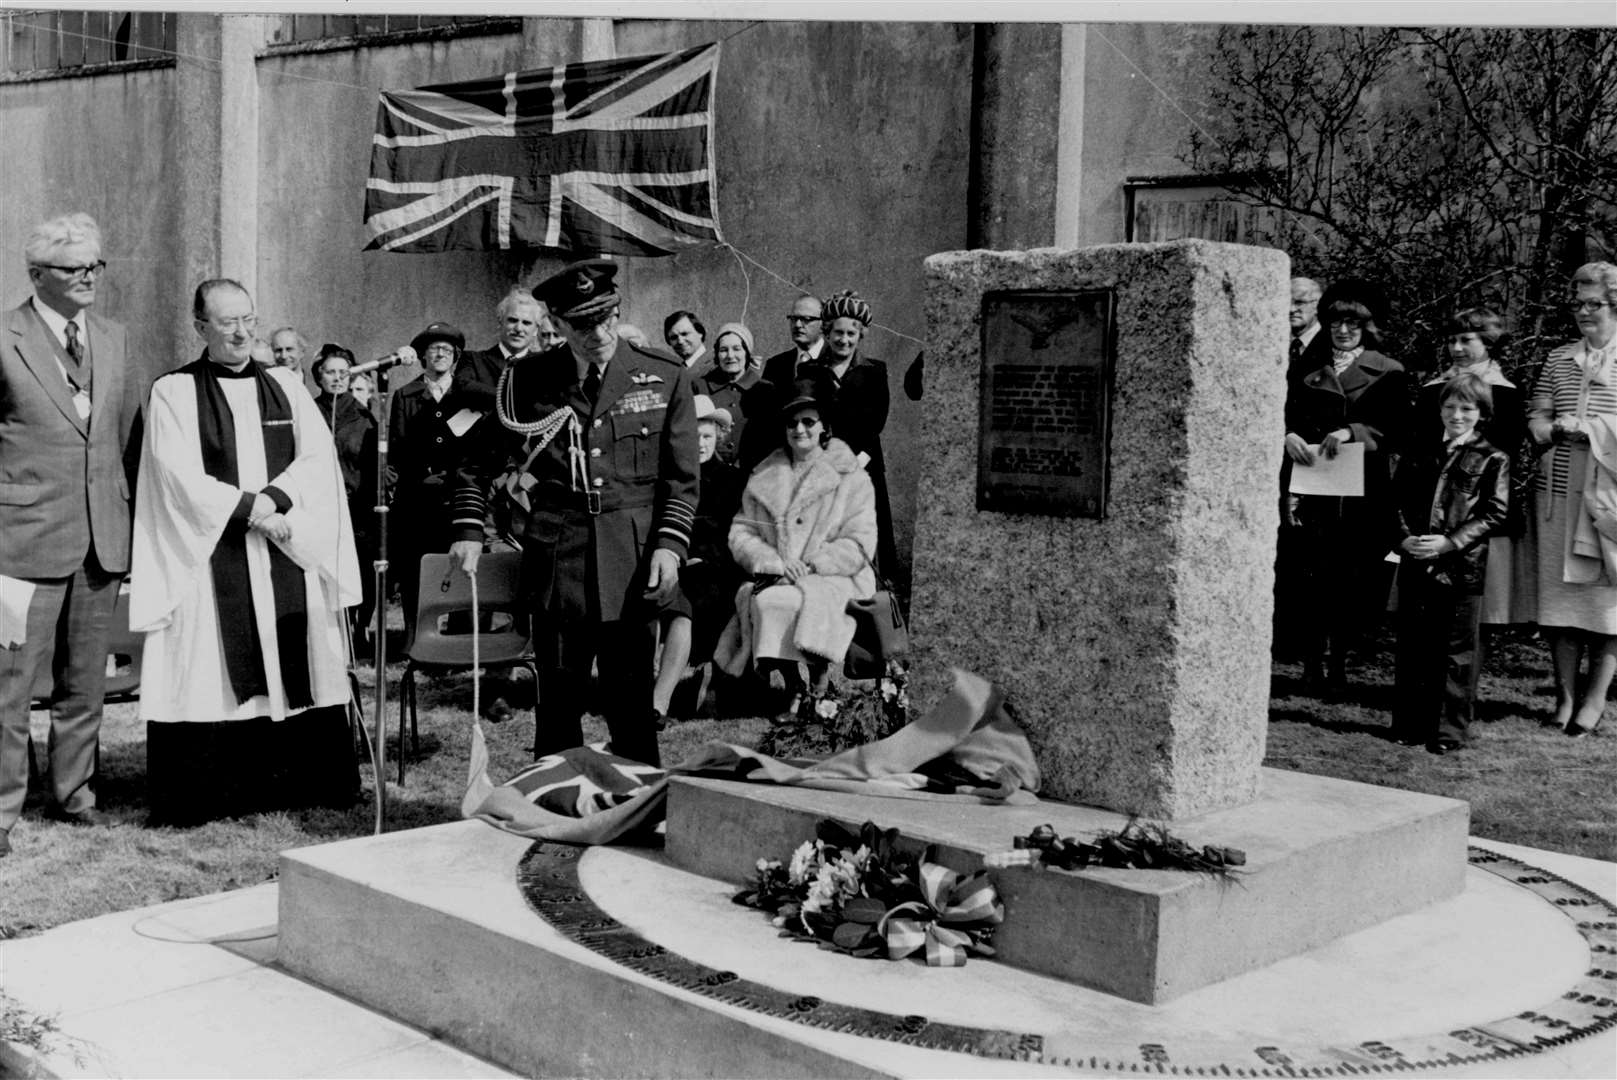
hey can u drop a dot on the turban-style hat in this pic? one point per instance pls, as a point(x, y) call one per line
point(845, 305)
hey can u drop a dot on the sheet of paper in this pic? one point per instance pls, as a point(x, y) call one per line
point(15, 596)
point(1341, 475)
point(462, 421)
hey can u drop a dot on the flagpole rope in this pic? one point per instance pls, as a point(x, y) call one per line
point(1169, 98)
point(804, 289)
point(746, 298)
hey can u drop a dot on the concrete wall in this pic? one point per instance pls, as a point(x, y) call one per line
point(317, 113)
point(843, 157)
point(1140, 82)
point(845, 154)
point(100, 145)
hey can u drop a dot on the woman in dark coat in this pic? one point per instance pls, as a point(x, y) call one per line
point(735, 385)
point(353, 429)
point(1360, 397)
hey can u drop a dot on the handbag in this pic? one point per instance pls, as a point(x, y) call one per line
point(879, 634)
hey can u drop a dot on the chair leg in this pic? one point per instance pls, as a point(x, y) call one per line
point(533, 669)
point(415, 715)
point(406, 697)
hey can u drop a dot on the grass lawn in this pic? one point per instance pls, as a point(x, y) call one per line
point(1526, 785)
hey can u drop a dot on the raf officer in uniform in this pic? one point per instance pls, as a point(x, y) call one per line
point(606, 434)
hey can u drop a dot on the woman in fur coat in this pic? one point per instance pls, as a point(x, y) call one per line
point(806, 531)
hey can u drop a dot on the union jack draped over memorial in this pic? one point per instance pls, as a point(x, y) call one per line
point(610, 156)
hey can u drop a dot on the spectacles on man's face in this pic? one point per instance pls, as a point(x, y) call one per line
point(802, 318)
point(230, 326)
point(1580, 306)
point(78, 272)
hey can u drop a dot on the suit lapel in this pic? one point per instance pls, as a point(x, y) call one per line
point(33, 344)
point(106, 372)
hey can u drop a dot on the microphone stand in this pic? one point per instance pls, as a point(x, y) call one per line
point(379, 582)
point(379, 587)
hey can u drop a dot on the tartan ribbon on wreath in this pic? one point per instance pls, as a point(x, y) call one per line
point(954, 920)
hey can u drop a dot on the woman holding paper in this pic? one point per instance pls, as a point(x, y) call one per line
point(1574, 411)
point(1359, 399)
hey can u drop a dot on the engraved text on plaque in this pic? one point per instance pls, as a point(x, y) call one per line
point(1046, 403)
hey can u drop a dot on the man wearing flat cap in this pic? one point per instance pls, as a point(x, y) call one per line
point(430, 422)
point(606, 435)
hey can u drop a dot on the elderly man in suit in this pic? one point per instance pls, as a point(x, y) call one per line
point(525, 326)
point(64, 512)
point(606, 436)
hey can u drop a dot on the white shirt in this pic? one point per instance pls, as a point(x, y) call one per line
point(57, 325)
point(810, 354)
point(1307, 336)
point(438, 386)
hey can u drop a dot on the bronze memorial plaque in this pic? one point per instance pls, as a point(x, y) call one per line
point(1046, 403)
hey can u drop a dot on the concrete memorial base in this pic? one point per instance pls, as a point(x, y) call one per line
point(1324, 858)
point(429, 926)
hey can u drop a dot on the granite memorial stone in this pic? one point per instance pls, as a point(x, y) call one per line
point(1106, 555)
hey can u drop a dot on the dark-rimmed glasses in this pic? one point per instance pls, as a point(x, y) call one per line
point(79, 272)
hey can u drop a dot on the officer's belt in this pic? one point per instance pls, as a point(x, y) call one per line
point(555, 497)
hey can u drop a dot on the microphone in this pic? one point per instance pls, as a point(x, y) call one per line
point(398, 356)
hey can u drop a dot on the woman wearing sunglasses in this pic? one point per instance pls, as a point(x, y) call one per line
point(806, 531)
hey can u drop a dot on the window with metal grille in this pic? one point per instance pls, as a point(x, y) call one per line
point(340, 30)
point(39, 42)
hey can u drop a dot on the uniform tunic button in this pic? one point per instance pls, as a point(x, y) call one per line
point(596, 424)
point(644, 430)
point(598, 481)
point(439, 439)
point(595, 451)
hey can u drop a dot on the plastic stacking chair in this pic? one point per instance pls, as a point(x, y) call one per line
point(440, 641)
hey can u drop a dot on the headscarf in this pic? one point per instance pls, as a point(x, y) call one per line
point(739, 331)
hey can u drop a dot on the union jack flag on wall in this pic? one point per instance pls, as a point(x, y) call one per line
point(610, 156)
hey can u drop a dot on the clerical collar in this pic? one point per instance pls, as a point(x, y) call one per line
point(225, 371)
